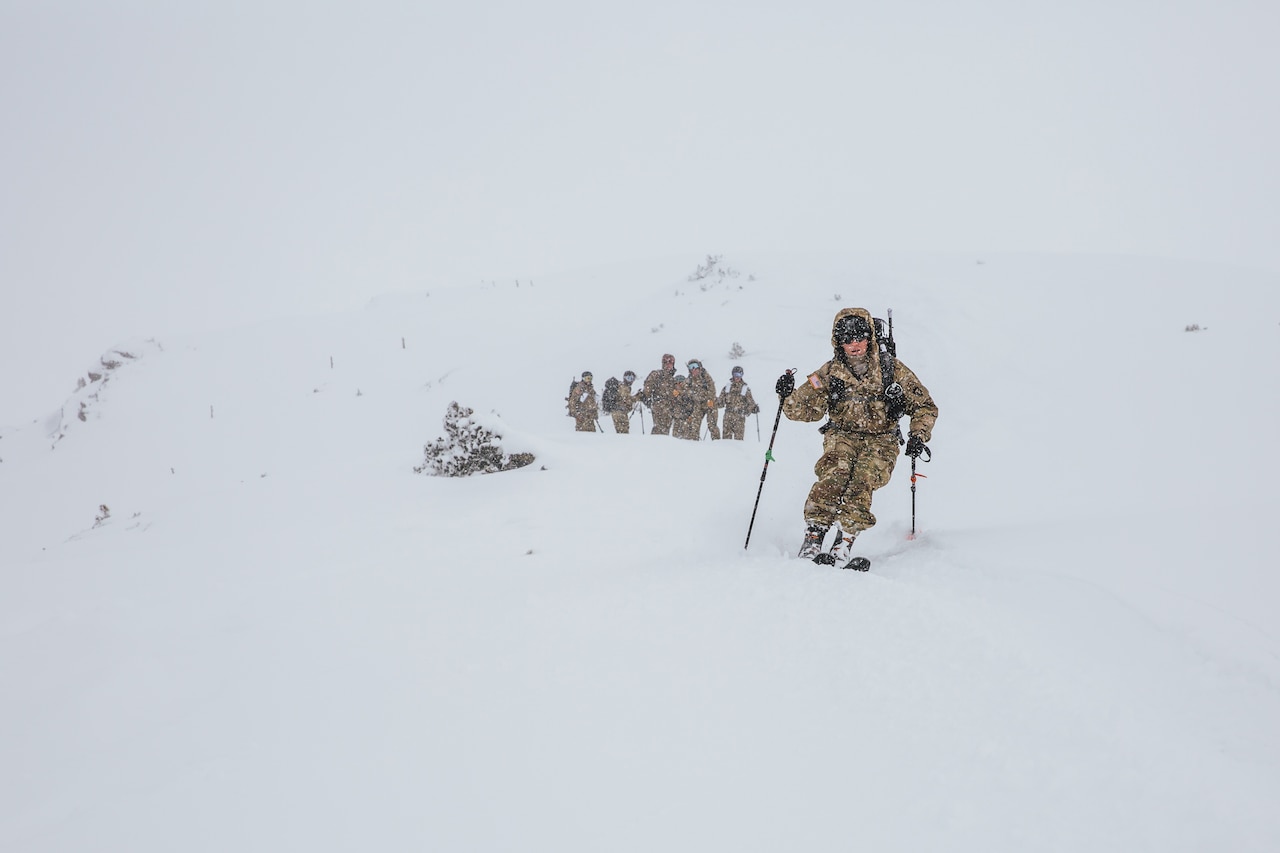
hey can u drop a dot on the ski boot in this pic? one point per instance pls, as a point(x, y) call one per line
point(841, 554)
point(812, 547)
point(841, 550)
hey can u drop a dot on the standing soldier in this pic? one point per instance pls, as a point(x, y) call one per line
point(582, 404)
point(683, 411)
point(702, 388)
point(737, 402)
point(656, 394)
point(623, 402)
point(863, 402)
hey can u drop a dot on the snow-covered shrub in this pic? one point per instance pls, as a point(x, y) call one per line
point(467, 448)
point(736, 351)
point(713, 268)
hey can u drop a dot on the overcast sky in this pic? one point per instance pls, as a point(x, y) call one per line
point(169, 167)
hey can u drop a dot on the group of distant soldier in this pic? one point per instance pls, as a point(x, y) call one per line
point(678, 404)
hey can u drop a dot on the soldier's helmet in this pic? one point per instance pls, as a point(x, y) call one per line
point(737, 373)
point(679, 378)
point(629, 376)
point(693, 364)
point(586, 376)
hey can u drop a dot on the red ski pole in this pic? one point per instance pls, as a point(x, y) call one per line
point(914, 475)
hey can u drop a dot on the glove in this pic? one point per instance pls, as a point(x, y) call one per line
point(785, 386)
point(711, 404)
point(916, 446)
point(755, 410)
point(835, 390)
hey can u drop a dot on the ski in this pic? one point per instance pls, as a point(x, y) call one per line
point(858, 564)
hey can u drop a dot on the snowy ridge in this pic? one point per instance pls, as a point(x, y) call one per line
point(90, 387)
point(283, 638)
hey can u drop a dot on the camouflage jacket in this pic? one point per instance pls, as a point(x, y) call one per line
point(735, 398)
point(582, 400)
point(683, 403)
point(626, 400)
point(852, 394)
point(658, 386)
point(702, 390)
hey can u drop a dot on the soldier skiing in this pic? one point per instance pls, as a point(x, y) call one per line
point(863, 391)
point(582, 404)
point(656, 394)
point(683, 411)
point(702, 393)
point(619, 402)
point(737, 402)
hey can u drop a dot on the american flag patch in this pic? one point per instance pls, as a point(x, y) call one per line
point(815, 381)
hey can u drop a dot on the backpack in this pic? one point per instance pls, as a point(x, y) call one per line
point(895, 398)
point(610, 398)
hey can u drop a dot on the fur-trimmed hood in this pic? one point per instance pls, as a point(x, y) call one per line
point(873, 345)
point(852, 312)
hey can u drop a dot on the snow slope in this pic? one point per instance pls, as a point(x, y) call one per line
point(283, 638)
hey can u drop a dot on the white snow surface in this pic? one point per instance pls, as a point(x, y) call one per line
point(282, 638)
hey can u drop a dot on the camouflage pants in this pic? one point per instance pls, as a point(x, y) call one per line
point(852, 466)
point(735, 426)
point(661, 419)
point(584, 423)
point(711, 413)
point(621, 422)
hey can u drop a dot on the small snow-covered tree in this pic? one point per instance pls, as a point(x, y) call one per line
point(713, 267)
point(467, 448)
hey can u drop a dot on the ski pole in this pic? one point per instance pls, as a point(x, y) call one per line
point(768, 457)
point(757, 427)
point(914, 475)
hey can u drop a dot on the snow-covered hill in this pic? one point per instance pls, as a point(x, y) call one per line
point(278, 636)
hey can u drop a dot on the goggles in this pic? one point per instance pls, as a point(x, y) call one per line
point(693, 365)
point(852, 328)
point(737, 372)
point(587, 375)
point(629, 376)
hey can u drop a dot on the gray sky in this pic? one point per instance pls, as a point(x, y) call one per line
point(169, 167)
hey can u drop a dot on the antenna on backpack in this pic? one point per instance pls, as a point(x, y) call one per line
point(894, 397)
